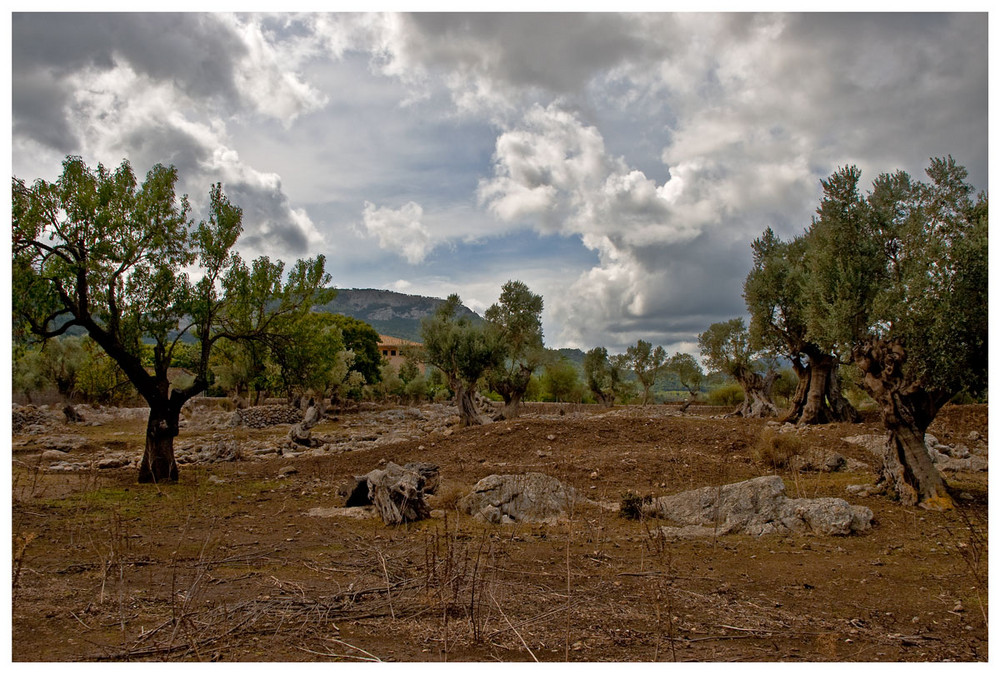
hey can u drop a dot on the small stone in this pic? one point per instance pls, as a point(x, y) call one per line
point(287, 470)
point(550, 437)
point(593, 475)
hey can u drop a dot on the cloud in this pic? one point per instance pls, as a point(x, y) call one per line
point(399, 230)
point(553, 171)
point(652, 147)
point(162, 89)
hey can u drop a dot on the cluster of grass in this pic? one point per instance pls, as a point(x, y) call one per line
point(632, 504)
point(774, 449)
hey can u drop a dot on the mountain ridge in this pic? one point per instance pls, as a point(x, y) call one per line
point(391, 313)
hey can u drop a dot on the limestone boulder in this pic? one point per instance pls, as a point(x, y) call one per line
point(528, 497)
point(757, 507)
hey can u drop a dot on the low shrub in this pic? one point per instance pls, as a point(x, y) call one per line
point(631, 505)
point(727, 395)
point(775, 449)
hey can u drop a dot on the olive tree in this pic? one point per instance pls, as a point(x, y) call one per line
point(647, 363)
point(516, 320)
point(462, 351)
point(774, 291)
point(726, 348)
point(898, 286)
point(604, 375)
point(689, 373)
point(121, 260)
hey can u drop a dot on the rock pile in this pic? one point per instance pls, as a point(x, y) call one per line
point(756, 507)
point(25, 416)
point(265, 415)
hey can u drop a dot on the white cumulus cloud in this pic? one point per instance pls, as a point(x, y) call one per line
point(399, 230)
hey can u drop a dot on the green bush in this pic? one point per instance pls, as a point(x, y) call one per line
point(728, 395)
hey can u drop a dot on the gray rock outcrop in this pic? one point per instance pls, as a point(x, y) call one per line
point(531, 497)
point(756, 507)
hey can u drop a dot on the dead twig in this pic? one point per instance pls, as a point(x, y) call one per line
point(504, 615)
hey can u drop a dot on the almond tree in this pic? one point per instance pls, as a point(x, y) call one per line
point(122, 261)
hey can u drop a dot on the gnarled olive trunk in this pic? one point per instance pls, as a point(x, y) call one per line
point(158, 464)
point(467, 413)
point(512, 406)
point(756, 395)
point(907, 410)
point(818, 398)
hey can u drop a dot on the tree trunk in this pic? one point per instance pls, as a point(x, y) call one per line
point(512, 406)
point(818, 398)
point(907, 470)
point(907, 410)
point(840, 407)
point(756, 396)
point(467, 412)
point(798, 401)
point(158, 464)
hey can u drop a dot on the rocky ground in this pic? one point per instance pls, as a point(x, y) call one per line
point(255, 556)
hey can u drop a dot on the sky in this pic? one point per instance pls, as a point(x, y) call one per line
point(619, 164)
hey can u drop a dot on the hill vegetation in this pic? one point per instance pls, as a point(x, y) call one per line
point(390, 313)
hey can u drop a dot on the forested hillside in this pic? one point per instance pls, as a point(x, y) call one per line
point(390, 313)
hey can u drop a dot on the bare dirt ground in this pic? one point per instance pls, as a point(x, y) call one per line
point(252, 560)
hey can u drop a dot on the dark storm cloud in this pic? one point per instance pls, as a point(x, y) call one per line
point(557, 52)
point(194, 51)
point(268, 225)
point(38, 108)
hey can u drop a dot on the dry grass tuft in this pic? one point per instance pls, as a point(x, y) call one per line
point(774, 449)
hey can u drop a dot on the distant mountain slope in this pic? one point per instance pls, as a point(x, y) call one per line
point(390, 313)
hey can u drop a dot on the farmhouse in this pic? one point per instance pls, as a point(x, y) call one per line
point(391, 349)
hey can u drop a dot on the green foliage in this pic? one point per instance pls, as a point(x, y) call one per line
point(727, 348)
point(604, 375)
point(726, 395)
point(516, 321)
point(460, 349)
point(97, 250)
point(560, 382)
point(102, 380)
point(688, 371)
point(905, 263)
point(785, 385)
point(647, 363)
point(363, 340)
point(305, 352)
